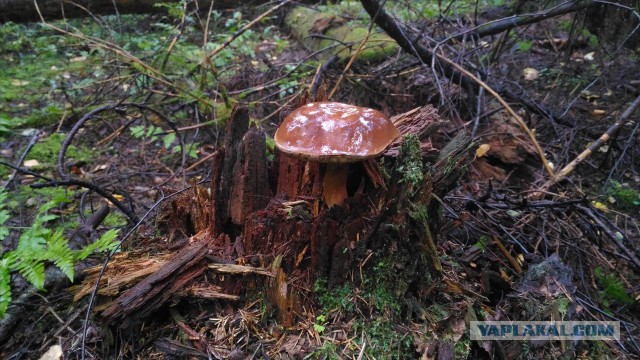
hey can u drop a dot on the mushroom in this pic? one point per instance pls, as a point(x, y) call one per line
point(336, 134)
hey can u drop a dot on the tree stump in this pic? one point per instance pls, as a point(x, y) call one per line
point(301, 240)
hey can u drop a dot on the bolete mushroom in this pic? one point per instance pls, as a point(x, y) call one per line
point(336, 134)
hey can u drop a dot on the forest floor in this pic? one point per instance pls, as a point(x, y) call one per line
point(106, 121)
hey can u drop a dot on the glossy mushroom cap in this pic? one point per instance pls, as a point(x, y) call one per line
point(332, 132)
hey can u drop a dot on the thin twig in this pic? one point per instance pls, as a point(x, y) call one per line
point(603, 139)
point(32, 142)
point(228, 42)
point(354, 55)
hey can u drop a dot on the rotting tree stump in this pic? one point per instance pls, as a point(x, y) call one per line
point(302, 240)
point(267, 220)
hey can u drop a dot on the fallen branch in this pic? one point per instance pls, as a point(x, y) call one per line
point(504, 24)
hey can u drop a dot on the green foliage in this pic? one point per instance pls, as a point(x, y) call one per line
point(39, 244)
point(590, 38)
point(613, 288)
point(524, 45)
point(46, 151)
point(626, 197)
point(483, 243)
point(376, 298)
point(328, 351)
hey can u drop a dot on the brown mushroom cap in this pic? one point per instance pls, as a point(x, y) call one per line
point(333, 132)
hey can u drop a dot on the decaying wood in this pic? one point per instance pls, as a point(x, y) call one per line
point(123, 272)
point(210, 292)
point(423, 122)
point(237, 126)
point(234, 269)
point(154, 290)
point(240, 177)
point(250, 190)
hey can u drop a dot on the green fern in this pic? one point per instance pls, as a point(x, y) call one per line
point(59, 253)
point(5, 286)
point(32, 270)
point(106, 243)
point(39, 245)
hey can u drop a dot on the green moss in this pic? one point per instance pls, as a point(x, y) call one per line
point(46, 151)
point(410, 164)
point(377, 297)
point(626, 197)
point(114, 220)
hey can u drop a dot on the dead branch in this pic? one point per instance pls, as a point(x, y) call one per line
point(617, 239)
point(153, 291)
point(500, 25)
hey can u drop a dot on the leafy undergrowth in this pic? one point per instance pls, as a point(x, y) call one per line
point(52, 75)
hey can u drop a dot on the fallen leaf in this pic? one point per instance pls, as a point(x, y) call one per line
point(590, 56)
point(600, 206)
point(54, 353)
point(482, 150)
point(31, 163)
point(530, 74)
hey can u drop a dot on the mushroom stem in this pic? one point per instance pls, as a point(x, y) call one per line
point(334, 185)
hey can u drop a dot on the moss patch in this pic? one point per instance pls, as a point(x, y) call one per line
point(46, 151)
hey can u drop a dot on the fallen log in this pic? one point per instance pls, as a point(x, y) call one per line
point(25, 10)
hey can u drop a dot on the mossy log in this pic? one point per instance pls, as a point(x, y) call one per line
point(335, 35)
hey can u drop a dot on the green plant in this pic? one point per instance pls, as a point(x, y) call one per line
point(524, 45)
point(318, 326)
point(376, 298)
point(411, 166)
point(613, 288)
point(626, 197)
point(39, 244)
point(327, 351)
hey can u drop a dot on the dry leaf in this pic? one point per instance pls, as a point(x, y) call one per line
point(31, 163)
point(54, 353)
point(530, 74)
point(600, 206)
point(482, 150)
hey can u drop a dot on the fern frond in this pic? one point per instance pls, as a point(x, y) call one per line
point(32, 270)
point(107, 242)
point(4, 214)
point(5, 286)
point(59, 253)
point(32, 241)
